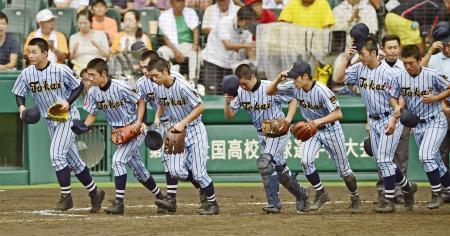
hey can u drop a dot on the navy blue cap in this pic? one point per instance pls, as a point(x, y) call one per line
point(137, 46)
point(359, 34)
point(441, 32)
point(31, 115)
point(409, 119)
point(298, 69)
point(230, 85)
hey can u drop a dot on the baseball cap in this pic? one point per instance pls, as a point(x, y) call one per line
point(230, 85)
point(359, 34)
point(250, 2)
point(299, 68)
point(441, 32)
point(44, 15)
point(138, 46)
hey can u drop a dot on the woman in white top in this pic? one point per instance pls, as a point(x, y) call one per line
point(132, 32)
point(87, 44)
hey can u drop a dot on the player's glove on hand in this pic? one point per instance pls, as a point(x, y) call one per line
point(275, 128)
point(304, 130)
point(79, 127)
point(174, 142)
point(56, 113)
point(124, 134)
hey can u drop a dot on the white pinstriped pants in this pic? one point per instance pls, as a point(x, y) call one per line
point(429, 137)
point(332, 137)
point(128, 154)
point(384, 146)
point(194, 157)
point(63, 148)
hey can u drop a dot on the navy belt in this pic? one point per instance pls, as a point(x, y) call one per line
point(379, 116)
point(422, 121)
point(326, 126)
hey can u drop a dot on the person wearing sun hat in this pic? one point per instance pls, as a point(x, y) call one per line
point(57, 42)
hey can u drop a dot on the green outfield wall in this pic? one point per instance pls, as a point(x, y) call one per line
point(233, 145)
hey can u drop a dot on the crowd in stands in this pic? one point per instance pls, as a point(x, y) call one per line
point(204, 39)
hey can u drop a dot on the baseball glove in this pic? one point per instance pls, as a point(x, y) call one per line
point(56, 113)
point(124, 134)
point(174, 142)
point(304, 130)
point(275, 128)
point(79, 127)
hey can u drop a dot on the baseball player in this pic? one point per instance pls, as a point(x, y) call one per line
point(121, 106)
point(423, 90)
point(146, 89)
point(371, 76)
point(49, 83)
point(390, 45)
point(319, 105)
point(179, 101)
point(271, 164)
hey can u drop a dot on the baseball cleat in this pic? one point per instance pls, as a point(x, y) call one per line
point(96, 201)
point(385, 206)
point(168, 203)
point(436, 201)
point(65, 202)
point(212, 209)
point(271, 209)
point(355, 204)
point(117, 208)
point(321, 198)
point(445, 194)
point(409, 197)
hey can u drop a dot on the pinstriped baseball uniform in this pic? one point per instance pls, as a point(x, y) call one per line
point(178, 101)
point(52, 84)
point(314, 104)
point(260, 107)
point(146, 89)
point(430, 132)
point(118, 103)
point(373, 83)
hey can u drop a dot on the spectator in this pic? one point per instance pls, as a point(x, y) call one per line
point(216, 12)
point(412, 20)
point(274, 4)
point(87, 44)
point(444, 12)
point(8, 46)
point(132, 32)
point(125, 65)
point(123, 5)
point(160, 4)
point(351, 12)
point(200, 4)
point(102, 22)
point(77, 4)
point(262, 15)
point(179, 26)
point(57, 42)
point(226, 43)
point(308, 13)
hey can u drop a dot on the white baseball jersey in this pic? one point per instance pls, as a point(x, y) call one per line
point(372, 83)
point(397, 67)
point(179, 100)
point(258, 104)
point(412, 89)
point(53, 83)
point(315, 103)
point(118, 102)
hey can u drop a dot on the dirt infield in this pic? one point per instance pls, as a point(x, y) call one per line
point(28, 212)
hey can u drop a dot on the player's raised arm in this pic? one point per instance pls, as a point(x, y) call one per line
point(227, 110)
point(340, 70)
point(272, 89)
